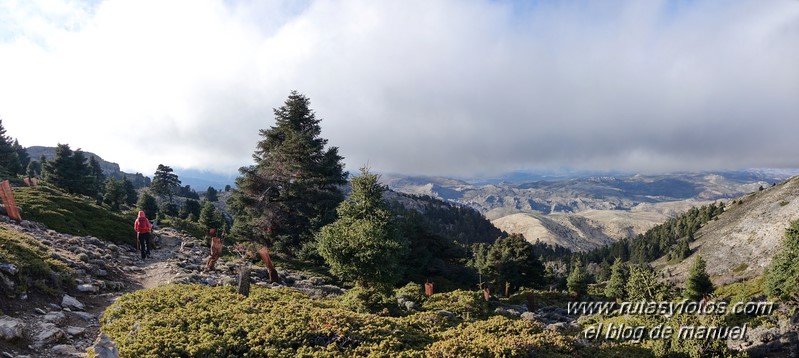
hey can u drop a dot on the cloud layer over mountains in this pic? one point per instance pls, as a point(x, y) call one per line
point(441, 87)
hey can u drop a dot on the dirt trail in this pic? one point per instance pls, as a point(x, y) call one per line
point(159, 268)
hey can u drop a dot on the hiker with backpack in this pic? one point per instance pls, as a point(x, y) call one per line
point(143, 228)
point(216, 250)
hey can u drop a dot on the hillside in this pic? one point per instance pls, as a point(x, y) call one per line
point(588, 212)
point(590, 229)
point(110, 169)
point(742, 241)
point(71, 214)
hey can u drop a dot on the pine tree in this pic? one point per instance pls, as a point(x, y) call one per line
point(643, 285)
point(148, 204)
point(698, 283)
point(22, 154)
point(9, 160)
point(96, 176)
point(782, 277)
point(210, 217)
point(67, 170)
point(364, 245)
point(131, 196)
point(191, 208)
point(34, 169)
point(618, 279)
point(114, 194)
point(293, 188)
point(577, 282)
point(211, 194)
point(509, 261)
point(165, 182)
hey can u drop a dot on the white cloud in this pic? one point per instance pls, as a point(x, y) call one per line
point(445, 87)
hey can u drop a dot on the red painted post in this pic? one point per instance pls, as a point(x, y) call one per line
point(486, 294)
point(428, 289)
point(8, 201)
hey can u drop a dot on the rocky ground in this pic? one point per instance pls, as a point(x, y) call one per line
point(67, 324)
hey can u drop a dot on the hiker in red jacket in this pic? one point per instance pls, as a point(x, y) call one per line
point(143, 228)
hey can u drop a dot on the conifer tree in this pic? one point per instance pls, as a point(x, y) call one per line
point(34, 169)
point(643, 285)
point(782, 277)
point(293, 188)
point(210, 194)
point(148, 204)
point(618, 279)
point(577, 282)
point(364, 245)
point(96, 176)
point(698, 283)
point(114, 194)
point(190, 208)
point(9, 160)
point(131, 196)
point(509, 261)
point(22, 154)
point(210, 217)
point(67, 170)
point(165, 182)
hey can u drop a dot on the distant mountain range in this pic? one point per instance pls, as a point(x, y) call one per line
point(586, 212)
point(197, 179)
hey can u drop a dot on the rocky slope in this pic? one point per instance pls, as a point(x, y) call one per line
point(742, 242)
point(66, 322)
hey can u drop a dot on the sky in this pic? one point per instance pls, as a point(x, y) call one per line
point(451, 88)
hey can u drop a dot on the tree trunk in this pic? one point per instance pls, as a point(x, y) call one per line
point(264, 253)
point(244, 279)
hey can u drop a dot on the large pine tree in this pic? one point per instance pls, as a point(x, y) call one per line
point(364, 245)
point(165, 182)
point(293, 188)
point(68, 171)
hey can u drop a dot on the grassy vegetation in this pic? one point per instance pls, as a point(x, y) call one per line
point(33, 261)
point(199, 321)
point(74, 214)
point(740, 268)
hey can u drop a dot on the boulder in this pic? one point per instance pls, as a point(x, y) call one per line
point(11, 328)
point(8, 268)
point(64, 350)
point(85, 316)
point(75, 331)
point(88, 288)
point(55, 317)
point(48, 334)
point(104, 347)
point(72, 303)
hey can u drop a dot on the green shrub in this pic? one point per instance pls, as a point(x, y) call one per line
point(74, 214)
point(198, 321)
point(32, 260)
point(411, 291)
point(368, 300)
point(465, 304)
point(501, 337)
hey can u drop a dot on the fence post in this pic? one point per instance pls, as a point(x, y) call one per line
point(428, 289)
